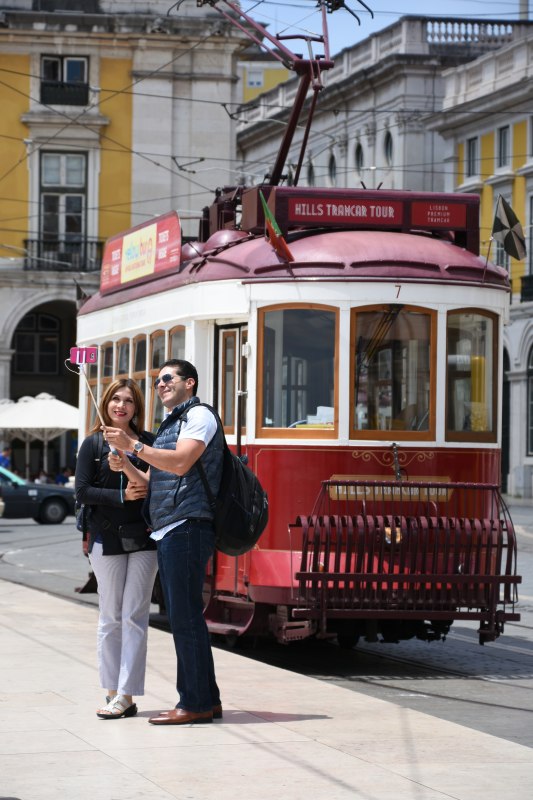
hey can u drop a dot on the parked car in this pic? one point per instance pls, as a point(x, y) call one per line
point(45, 502)
point(2, 504)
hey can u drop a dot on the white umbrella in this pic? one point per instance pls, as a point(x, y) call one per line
point(43, 418)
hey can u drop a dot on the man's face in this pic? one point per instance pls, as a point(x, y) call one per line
point(173, 388)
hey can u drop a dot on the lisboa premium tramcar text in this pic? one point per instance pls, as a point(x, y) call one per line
point(355, 358)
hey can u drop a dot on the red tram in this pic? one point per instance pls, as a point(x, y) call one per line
point(366, 371)
point(355, 358)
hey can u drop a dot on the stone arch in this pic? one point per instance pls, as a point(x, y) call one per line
point(26, 303)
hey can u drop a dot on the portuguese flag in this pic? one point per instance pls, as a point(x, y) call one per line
point(275, 236)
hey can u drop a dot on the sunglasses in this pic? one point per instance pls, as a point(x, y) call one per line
point(166, 378)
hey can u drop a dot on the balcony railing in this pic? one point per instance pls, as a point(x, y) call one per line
point(57, 255)
point(58, 93)
point(526, 294)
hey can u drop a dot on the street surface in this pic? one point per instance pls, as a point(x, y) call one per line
point(487, 688)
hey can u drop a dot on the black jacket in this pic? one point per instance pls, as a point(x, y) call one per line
point(100, 488)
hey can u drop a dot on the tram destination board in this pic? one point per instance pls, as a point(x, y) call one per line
point(295, 207)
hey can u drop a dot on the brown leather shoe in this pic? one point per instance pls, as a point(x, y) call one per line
point(180, 716)
point(217, 712)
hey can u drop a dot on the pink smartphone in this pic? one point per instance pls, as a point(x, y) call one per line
point(83, 355)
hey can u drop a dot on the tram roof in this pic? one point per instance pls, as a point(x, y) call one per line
point(353, 255)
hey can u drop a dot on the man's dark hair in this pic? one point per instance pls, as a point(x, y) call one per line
point(183, 368)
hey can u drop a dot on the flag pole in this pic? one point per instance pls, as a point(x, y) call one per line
point(487, 260)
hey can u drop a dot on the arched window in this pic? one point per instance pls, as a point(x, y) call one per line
point(359, 158)
point(36, 345)
point(332, 170)
point(387, 149)
point(530, 403)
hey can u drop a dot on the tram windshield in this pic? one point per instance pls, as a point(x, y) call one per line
point(470, 381)
point(391, 369)
point(298, 368)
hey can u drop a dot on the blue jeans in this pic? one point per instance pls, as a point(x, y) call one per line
point(182, 556)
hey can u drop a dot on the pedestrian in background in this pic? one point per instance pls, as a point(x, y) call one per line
point(5, 457)
point(63, 477)
point(125, 577)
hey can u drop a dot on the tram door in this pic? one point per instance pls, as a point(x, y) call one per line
point(232, 379)
point(231, 383)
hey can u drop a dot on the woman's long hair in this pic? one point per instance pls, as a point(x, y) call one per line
point(137, 421)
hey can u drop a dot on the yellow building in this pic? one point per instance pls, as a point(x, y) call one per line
point(487, 124)
point(104, 107)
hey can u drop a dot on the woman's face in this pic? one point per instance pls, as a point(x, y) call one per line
point(121, 408)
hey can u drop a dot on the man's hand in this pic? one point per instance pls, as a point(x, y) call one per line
point(117, 438)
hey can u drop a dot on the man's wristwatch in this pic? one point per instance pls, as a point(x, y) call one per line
point(138, 447)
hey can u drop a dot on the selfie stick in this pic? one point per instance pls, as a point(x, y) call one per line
point(79, 356)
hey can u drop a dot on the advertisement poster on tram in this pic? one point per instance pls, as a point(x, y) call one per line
point(149, 250)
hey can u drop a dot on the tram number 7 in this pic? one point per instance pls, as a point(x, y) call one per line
point(399, 287)
point(83, 355)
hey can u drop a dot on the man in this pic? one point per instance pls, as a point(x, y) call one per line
point(5, 457)
point(182, 522)
point(63, 477)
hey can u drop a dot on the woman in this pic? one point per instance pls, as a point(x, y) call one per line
point(125, 579)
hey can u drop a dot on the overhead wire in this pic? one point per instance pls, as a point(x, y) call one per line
point(240, 166)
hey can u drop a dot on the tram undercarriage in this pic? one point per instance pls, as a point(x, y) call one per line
point(389, 560)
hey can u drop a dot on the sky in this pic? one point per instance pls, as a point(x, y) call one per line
point(344, 29)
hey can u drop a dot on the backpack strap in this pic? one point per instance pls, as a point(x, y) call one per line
point(210, 496)
point(198, 464)
point(98, 448)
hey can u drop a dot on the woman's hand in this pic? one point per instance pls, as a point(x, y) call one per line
point(116, 463)
point(135, 491)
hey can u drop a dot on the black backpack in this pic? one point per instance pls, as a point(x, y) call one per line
point(241, 505)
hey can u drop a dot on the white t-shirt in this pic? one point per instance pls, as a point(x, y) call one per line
point(200, 425)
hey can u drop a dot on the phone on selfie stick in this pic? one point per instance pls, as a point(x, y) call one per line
point(80, 356)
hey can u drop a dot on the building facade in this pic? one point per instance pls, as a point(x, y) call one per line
point(486, 124)
point(112, 112)
point(430, 105)
point(369, 126)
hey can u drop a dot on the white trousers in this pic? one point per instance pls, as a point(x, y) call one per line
point(125, 585)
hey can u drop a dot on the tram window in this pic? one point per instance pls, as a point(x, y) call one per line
point(106, 366)
point(233, 378)
point(243, 377)
point(139, 356)
point(298, 369)
point(123, 358)
point(177, 343)
point(139, 366)
point(229, 344)
point(157, 357)
point(470, 391)
point(107, 361)
point(157, 350)
point(391, 368)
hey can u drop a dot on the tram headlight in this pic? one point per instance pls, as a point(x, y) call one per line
point(392, 535)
